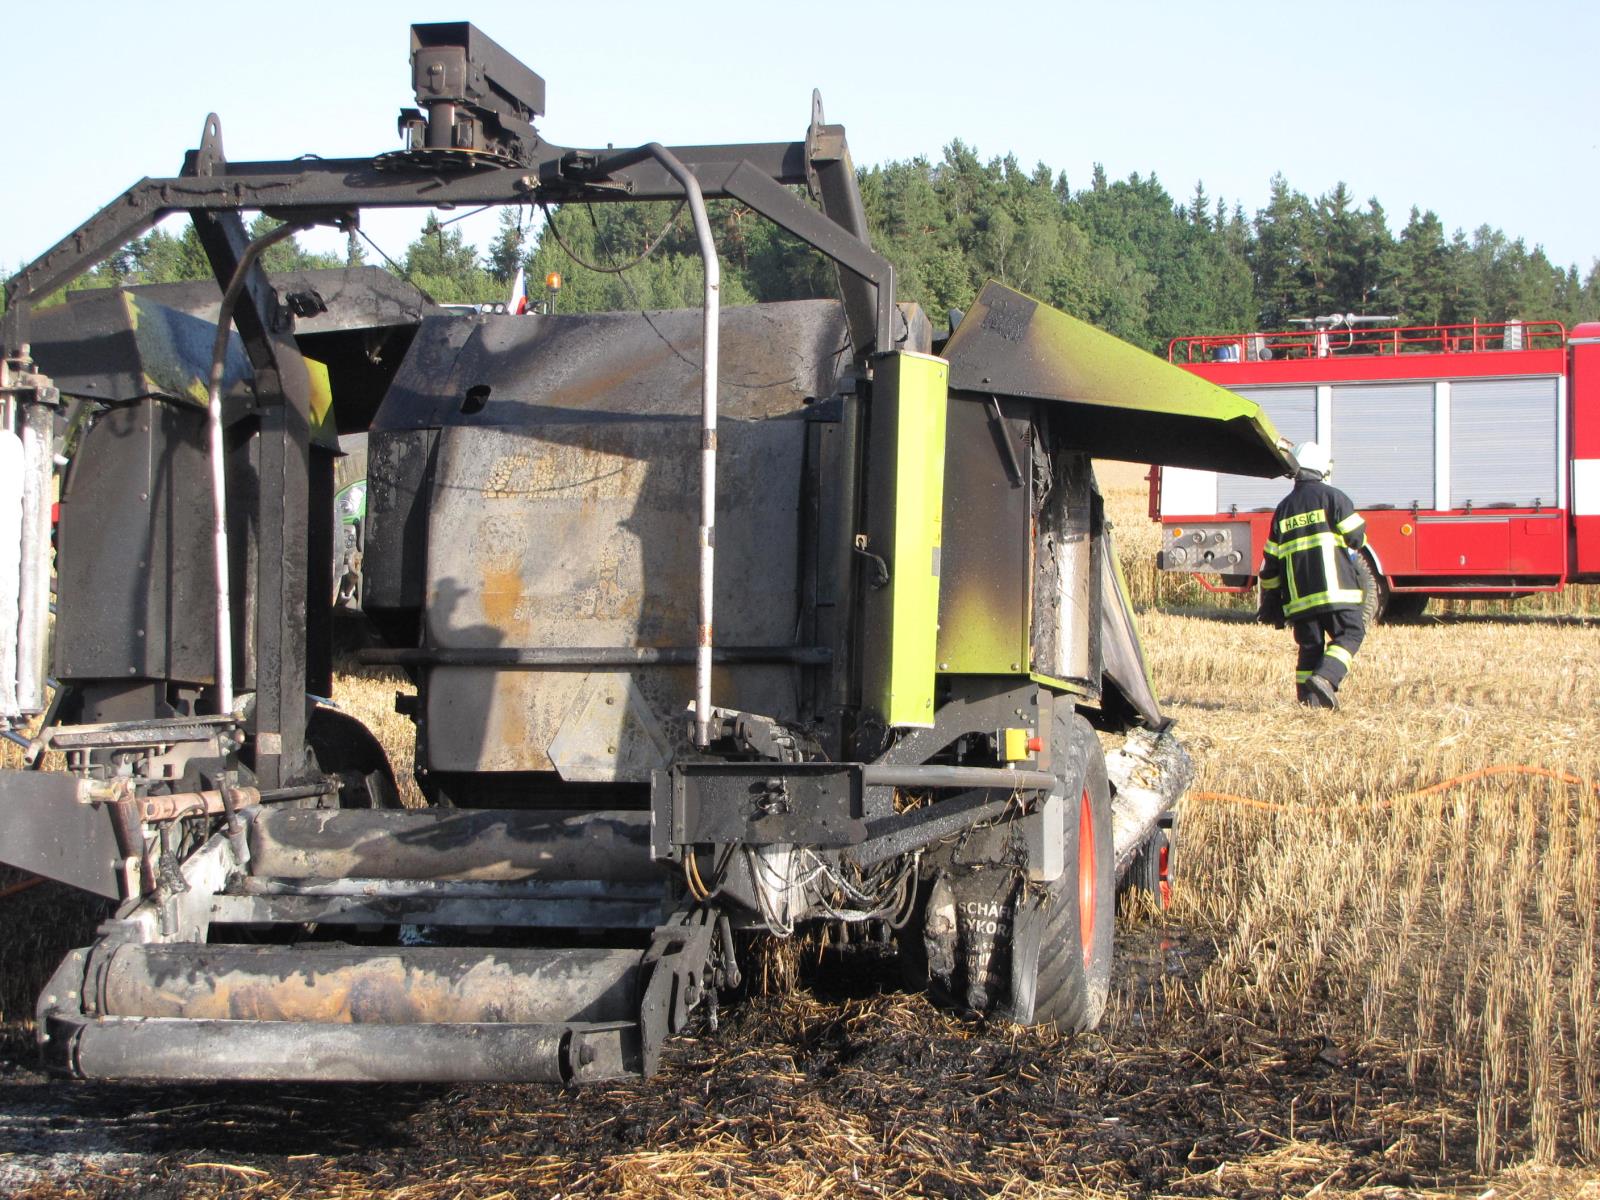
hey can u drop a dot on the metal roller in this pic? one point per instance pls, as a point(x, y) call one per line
point(489, 844)
point(337, 984)
point(299, 1052)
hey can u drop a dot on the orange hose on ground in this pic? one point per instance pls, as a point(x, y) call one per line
point(1430, 790)
point(15, 888)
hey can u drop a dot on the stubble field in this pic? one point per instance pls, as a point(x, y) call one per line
point(1378, 977)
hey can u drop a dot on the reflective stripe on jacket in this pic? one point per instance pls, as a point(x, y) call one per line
point(1307, 556)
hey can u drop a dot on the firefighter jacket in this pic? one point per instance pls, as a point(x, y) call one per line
point(1307, 566)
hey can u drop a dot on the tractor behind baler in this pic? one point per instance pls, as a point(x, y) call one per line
point(720, 622)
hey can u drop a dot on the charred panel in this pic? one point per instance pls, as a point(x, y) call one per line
point(135, 577)
point(581, 534)
point(399, 470)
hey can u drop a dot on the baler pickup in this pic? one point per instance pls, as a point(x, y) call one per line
point(136, 1005)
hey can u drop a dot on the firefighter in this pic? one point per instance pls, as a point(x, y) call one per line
point(1308, 577)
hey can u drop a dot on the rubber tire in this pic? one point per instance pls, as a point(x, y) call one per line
point(1404, 606)
point(1375, 591)
point(1074, 971)
point(1144, 872)
point(345, 747)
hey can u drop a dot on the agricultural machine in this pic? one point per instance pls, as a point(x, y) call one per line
point(722, 622)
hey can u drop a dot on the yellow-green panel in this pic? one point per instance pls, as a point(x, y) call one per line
point(323, 430)
point(985, 589)
point(910, 391)
point(1060, 685)
point(1118, 401)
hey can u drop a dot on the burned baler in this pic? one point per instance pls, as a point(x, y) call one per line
point(719, 621)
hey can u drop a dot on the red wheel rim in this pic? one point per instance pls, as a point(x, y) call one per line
point(1088, 892)
point(1164, 875)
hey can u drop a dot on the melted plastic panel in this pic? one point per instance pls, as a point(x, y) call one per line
point(583, 534)
point(114, 345)
point(1125, 668)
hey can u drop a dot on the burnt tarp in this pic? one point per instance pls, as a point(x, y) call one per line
point(1120, 402)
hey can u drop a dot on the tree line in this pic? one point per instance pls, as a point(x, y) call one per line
point(1122, 254)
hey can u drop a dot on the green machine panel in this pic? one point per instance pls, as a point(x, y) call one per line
point(905, 510)
point(985, 598)
point(1121, 402)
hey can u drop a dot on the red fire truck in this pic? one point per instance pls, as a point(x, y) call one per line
point(1473, 452)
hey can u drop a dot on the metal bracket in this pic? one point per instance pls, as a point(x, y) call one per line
point(757, 804)
point(880, 575)
point(678, 962)
point(209, 160)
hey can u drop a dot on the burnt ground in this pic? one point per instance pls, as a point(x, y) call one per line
point(861, 1090)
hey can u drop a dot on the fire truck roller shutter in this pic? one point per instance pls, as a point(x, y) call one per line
point(1504, 443)
point(1383, 444)
point(1293, 410)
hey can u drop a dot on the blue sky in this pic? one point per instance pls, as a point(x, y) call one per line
point(1481, 111)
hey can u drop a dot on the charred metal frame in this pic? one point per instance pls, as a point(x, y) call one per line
point(850, 806)
point(214, 192)
point(533, 657)
point(333, 190)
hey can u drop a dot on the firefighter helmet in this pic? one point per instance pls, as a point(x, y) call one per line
point(1311, 456)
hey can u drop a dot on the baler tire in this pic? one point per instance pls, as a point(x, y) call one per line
point(1150, 871)
point(1074, 968)
point(343, 746)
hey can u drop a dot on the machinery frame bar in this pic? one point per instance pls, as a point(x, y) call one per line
point(587, 656)
point(283, 500)
point(340, 186)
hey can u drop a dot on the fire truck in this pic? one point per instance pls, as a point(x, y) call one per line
point(1473, 452)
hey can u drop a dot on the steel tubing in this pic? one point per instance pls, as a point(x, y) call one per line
point(891, 775)
point(215, 450)
point(343, 985)
point(708, 433)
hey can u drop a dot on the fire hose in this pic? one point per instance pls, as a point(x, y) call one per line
point(1420, 794)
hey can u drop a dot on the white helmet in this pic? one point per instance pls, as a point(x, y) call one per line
point(1310, 456)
